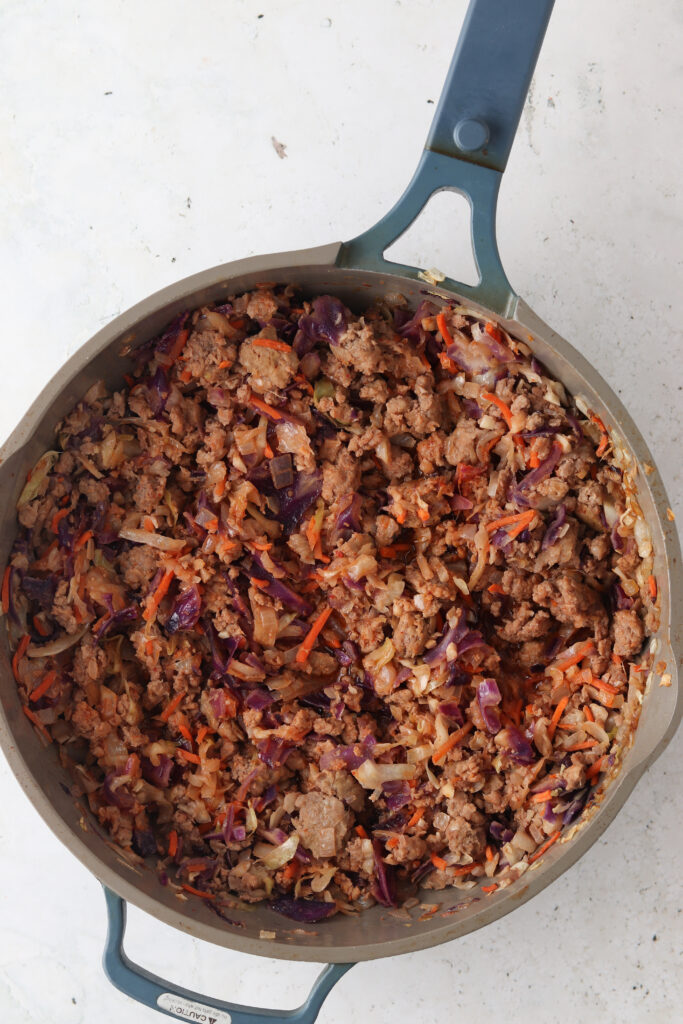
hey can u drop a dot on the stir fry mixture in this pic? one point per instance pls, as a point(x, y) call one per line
point(320, 607)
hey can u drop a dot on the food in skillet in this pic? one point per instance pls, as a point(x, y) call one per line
point(322, 606)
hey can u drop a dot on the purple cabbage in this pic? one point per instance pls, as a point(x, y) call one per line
point(620, 598)
point(349, 517)
point(551, 534)
point(185, 611)
point(451, 710)
point(158, 775)
point(384, 889)
point(304, 911)
point(296, 500)
point(38, 591)
point(158, 391)
point(488, 696)
point(144, 843)
point(412, 328)
point(222, 651)
point(259, 699)
point(167, 339)
point(274, 751)
point(277, 589)
point(573, 809)
point(396, 794)
point(348, 757)
point(519, 492)
point(500, 833)
point(516, 745)
point(327, 321)
point(452, 635)
point(617, 540)
point(471, 408)
point(115, 621)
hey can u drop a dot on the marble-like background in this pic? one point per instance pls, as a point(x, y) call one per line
point(135, 148)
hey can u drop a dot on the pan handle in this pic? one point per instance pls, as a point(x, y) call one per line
point(182, 1003)
point(469, 142)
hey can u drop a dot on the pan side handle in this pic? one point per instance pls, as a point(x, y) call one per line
point(469, 142)
point(183, 1004)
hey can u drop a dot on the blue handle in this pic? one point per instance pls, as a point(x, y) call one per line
point(183, 1004)
point(469, 142)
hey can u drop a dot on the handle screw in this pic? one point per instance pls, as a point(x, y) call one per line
point(471, 134)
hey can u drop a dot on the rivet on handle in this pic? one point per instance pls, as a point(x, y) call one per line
point(471, 134)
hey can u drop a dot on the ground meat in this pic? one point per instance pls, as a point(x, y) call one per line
point(323, 823)
point(629, 633)
point(361, 646)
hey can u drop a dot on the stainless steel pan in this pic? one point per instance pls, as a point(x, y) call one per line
point(466, 152)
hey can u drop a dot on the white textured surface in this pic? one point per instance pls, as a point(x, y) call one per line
point(135, 147)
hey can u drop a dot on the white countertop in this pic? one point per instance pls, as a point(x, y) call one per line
point(135, 147)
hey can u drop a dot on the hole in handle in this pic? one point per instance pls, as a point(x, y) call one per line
point(439, 239)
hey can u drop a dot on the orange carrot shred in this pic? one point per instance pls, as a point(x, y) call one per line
point(494, 332)
point(582, 746)
point(277, 346)
point(445, 333)
point(489, 888)
point(57, 518)
point(263, 407)
point(172, 843)
point(496, 588)
point(505, 409)
point(198, 892)
point(392, 843)
point(83, 539)
point(5, 589)
point(652, 586)
point(184, 730)
point(268, 451)
point(417, 814)
point(423, 513)
point(546, 846)
point(534, 461)
point(465, 870)
point(439, 862)
point(170, 708)
point(589, 714)
point(606, 687)
point(43, 686)
point(452, 741)
point(310, 638)
point(19, 654)
point(518, 517)
point(575, 658)
point(261, 547)
point(40, 627)
point(156, 598)
point(595, 768)
point(360, 831)
point(188, 756)
point(489, 853)
point(557, 715)
point(541, 798)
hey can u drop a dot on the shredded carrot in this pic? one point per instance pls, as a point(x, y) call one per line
point(5, 589)
point(312, 532)
point(392, 843)
point(518, 517)
point(34, 720)
point(156, 598)
point(198, 892)
point(505, 409)
point(496, 588)
point(595, 768)
point(489, 853)
point(310, 638)
point(184, 730)
point(57, 518)
point(546, 846)
point(261, 547)
point(606, 687)
point(224, 364)
point(259, 584)
point(400, 516)
point(582, 746)
point(447, 362)
point(445, 333)
point(43, 686)
point(393, 549)
point(188, 756)
point(589, 714)
point(465, 870)
point(332, 641)
point(534, 461)
point(176, 348)
point(452, 741)
point(417, 814)
point(425, 362)
point(277, 346)
point(652, 586)
point(291, 870)
point(219, 489)
point(170, 708)
point(575, 658)
point(148, 524)
point(19, 654)
point(268, 451)
point(83, 539)
point(494, 332)
point(265, 408)
point(360, 831)
point(489, 888)
point(520, 527)
point(40, 627)
point(439, 862)
point(541, 798)
point(172, 843)
point(423, 513)
point(557, 715)
point(186, 376)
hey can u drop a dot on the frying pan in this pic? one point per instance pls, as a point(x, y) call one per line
point(466, 152)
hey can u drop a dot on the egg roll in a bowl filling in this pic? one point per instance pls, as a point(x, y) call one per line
point(323, 608)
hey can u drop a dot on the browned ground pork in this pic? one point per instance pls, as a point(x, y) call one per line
point(320, 606)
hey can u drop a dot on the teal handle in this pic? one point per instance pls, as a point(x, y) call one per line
point(469, 143)
point(183, 1004)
